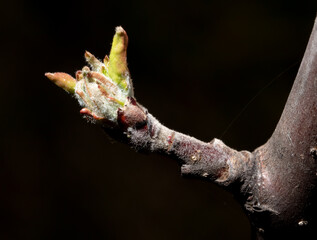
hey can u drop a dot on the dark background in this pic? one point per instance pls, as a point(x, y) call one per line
point(195, 65)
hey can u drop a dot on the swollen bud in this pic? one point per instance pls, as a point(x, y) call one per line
point(118, 68)
point(63, 80)
point(106, 86)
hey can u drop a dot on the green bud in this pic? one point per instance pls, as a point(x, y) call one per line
point(104, 88)
point(118, 69)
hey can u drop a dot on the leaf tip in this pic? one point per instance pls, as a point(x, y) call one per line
point(62, 80)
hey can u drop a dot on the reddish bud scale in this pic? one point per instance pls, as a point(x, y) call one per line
point(132, 115)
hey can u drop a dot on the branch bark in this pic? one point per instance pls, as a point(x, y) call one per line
point(286, 164)
point(214, 161)
point(275, 183)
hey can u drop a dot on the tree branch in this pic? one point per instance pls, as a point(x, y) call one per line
point(214, 161)
point(275, 182)
point(286, 164)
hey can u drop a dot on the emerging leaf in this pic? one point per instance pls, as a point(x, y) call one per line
point(106, 87)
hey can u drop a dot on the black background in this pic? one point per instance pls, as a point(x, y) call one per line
point(195, 65)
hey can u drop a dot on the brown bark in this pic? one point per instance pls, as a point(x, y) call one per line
point(275, 183)
point(287, 162)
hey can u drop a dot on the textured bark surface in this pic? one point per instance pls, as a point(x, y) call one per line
point(275, 183)
point(287, 162)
